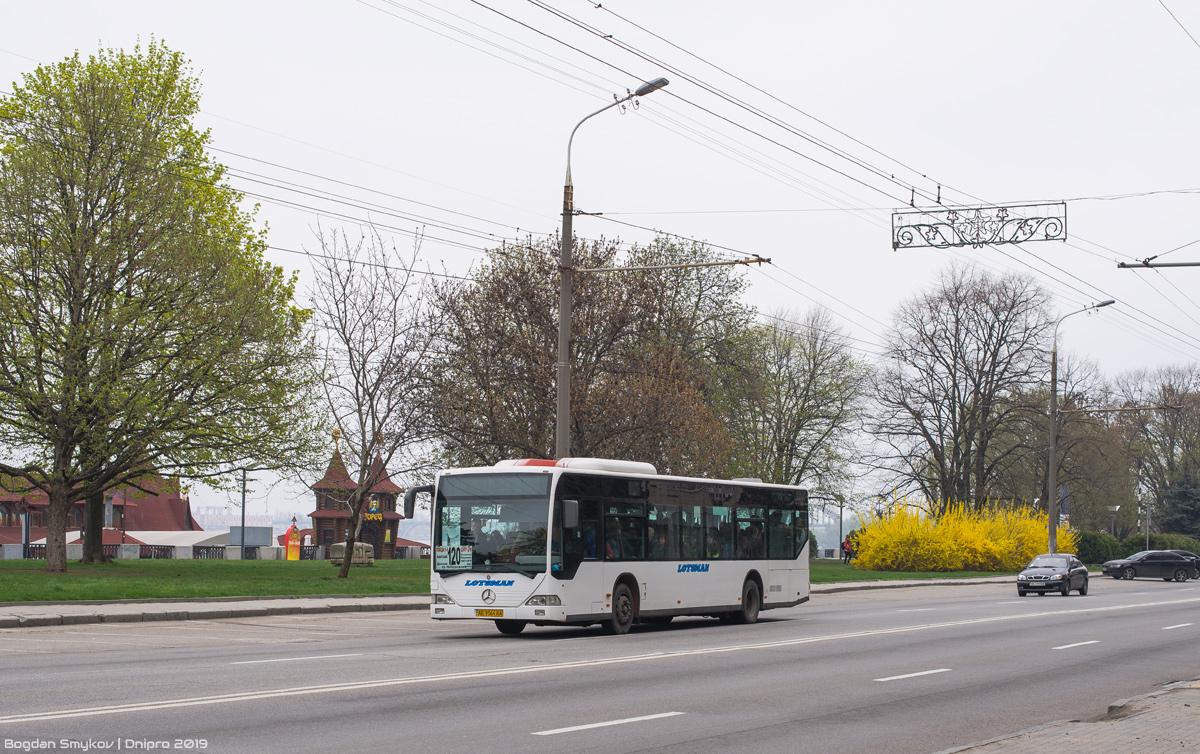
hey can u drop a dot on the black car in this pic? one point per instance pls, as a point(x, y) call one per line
point(1189, 555)
point(1162, 564)
point(1053, 573)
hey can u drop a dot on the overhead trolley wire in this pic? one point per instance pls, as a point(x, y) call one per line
point(738, 102)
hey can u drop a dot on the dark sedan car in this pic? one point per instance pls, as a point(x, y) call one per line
point(1189, 555)
point(1152, 564)
point(1053, 573)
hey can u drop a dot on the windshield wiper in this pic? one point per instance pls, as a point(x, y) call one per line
point(510, 567)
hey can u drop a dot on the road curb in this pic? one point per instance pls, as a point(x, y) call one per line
point(904, 584)
point(42, 620)
point(252, 598)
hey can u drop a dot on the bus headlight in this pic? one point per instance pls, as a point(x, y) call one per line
point(442, 599)
point(542, 600)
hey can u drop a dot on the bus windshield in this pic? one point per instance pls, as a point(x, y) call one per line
point(491, 523)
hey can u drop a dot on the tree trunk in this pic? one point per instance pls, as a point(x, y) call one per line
point(349, 553)
point(352, 527)
point(56, 530)
point(93, 529)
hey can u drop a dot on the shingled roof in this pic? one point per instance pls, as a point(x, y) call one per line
point(385, 483)
point(336, 477)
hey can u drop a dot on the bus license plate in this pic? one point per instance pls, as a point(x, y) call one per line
point(489, 613)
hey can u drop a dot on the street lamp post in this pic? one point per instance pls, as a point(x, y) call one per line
point(562, 431)
point(1113, 524)
point(1052, 475)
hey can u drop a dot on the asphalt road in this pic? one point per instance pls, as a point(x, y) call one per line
point(903, 671)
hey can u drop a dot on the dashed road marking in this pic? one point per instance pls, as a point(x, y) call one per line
point(606, 724)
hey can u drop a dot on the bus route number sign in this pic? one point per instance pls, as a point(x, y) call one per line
point(453, 557)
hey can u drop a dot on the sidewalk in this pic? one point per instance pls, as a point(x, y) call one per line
point(37, 614)
point(1165, 721)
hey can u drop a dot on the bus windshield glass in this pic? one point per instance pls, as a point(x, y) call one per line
point(491, 523)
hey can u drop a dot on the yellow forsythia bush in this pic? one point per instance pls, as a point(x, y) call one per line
point(993, 539)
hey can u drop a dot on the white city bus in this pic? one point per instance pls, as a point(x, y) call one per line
point(583, 541)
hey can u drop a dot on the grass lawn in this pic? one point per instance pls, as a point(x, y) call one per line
point(832, 572)
point(27, 580)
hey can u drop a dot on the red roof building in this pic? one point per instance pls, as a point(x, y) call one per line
point(163, 508)
point(332, 515)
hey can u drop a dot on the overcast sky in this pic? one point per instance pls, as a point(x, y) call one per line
point(454, 116)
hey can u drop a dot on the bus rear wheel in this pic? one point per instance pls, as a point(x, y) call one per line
point(510, 627)
point(622, 611)
point(751, 603)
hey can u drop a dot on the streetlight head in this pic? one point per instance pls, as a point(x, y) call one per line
point(650, 86)
point(1109, 302)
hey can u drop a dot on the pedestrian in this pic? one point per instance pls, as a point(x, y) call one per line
point(847, 550)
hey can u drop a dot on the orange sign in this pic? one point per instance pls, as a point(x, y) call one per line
point(293, 543)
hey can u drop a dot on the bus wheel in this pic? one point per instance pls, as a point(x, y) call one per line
point(510, 627)
point(751, 603)
point(622, 611)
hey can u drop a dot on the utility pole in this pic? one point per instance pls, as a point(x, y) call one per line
point(562, 428)
point(1052, 501)
point(242, 556)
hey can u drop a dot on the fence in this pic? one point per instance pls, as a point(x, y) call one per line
point(308, 552)
point(208, 552)
point(156, 552)
point(35, 552)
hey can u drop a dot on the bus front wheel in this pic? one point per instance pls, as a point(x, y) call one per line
point(622, 611)
point(751, 603)
point(510, 627)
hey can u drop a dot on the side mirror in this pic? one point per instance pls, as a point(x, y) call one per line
point(570, 513)
point(410, 498)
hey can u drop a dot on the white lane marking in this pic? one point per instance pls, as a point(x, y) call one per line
point(1015, 602)
point(912, 675)
point(589, 726)
point(575, 665)
point(916, 609)
point(293, 659)
point(1078, 644)
point(1178, 625)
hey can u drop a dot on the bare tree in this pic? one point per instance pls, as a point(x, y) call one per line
point(374, 317)
point(644, 346)
point(959, 359)
point(1163, 444)
point(794, 417)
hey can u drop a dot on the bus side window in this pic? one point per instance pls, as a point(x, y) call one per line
point(662, 532)
point(780, 535)
point(719, 541)
point(691, 533)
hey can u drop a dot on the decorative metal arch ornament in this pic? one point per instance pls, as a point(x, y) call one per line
point(979, 226)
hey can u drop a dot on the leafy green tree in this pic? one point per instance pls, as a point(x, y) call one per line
point(1181, 509)
point(141, 330)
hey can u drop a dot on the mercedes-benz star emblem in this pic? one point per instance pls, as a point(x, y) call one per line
point(489, 596)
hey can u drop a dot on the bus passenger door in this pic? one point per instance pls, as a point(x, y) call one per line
point(581, 567)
